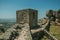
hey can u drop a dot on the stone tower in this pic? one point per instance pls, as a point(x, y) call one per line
point(27, 16)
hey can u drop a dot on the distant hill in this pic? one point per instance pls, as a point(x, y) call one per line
point(7, 20)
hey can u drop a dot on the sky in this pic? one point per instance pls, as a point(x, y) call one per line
point(8, 8)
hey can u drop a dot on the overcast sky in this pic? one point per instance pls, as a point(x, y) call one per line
point(8, 7)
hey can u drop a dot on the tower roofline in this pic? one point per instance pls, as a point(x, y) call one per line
point(27, 9)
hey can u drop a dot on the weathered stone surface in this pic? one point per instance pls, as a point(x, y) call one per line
point(27, 16)
point(50, 15)
point(54, 16)
point(25, 33)
point(7, 34)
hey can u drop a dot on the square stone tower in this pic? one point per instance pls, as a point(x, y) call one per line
point(29, 16)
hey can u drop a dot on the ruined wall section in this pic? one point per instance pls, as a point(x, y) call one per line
point(33, 16)
point(29, 16)
point(22, 16)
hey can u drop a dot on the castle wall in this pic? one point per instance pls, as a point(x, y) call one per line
point(29, 16)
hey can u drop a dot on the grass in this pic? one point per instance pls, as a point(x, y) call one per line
point(55, 31)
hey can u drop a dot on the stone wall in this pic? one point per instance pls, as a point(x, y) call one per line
point(27, 16)
point(54, 16)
